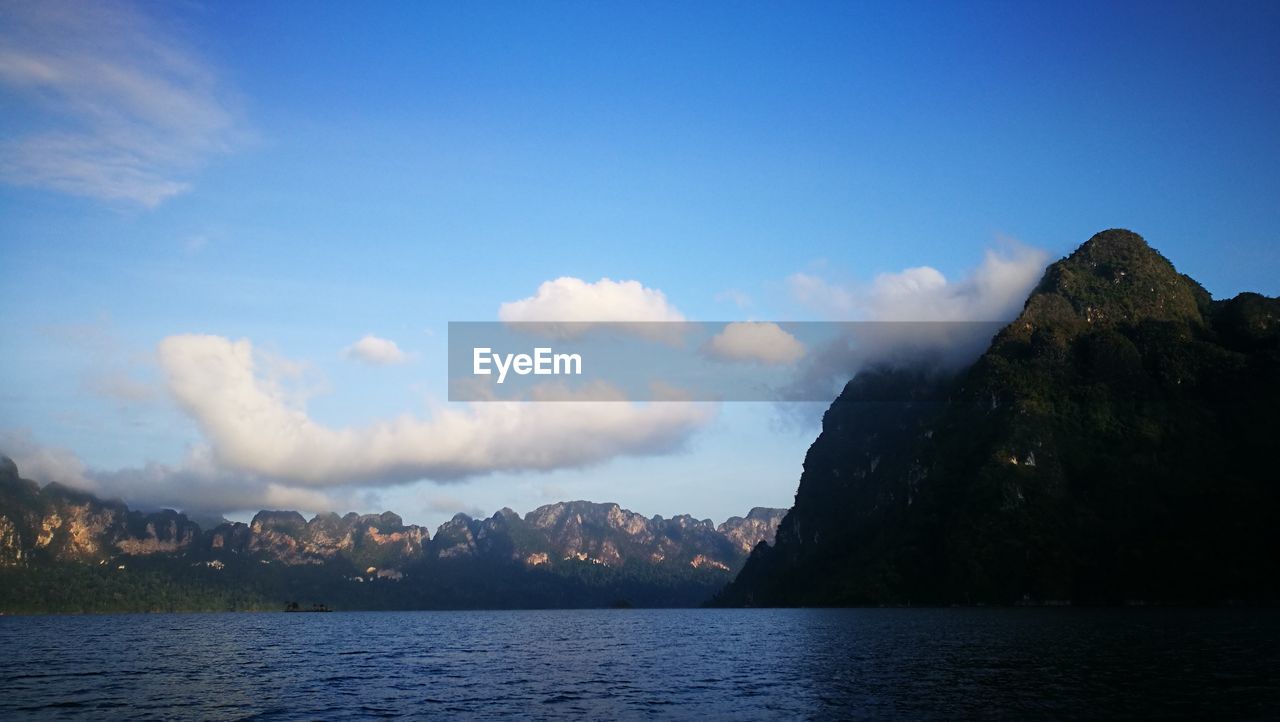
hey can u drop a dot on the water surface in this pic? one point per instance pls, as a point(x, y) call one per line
point(647, 664)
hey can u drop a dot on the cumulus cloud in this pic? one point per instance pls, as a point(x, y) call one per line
point(755, 341)
point(253, 427)
point(261, 449)
point(376, 352)
point(994, 291)
point(915, 317)
point(570, 307)
point(574, 300)
point(107, 102)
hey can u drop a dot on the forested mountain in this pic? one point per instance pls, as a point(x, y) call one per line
point(1115, 444)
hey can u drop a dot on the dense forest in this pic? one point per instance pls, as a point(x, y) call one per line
point(1115, 444)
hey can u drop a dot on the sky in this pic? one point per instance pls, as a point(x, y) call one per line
point(232, 235)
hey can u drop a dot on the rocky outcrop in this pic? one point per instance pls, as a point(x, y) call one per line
point(456, 538)
point(61, 523)
point(163, 532)
point(57, 524)
point(612, 536)
point(287, 537)
point(759, 526)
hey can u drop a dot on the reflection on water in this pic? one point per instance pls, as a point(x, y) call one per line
point(747, 664)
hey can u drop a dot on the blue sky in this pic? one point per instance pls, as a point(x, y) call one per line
point(302, 175)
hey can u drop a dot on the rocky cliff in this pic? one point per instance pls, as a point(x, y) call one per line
point(63, 524)
point(1114, 444)
point(759, 525)
point(554, 548)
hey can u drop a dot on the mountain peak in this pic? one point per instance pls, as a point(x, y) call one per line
point(1116, 243)
point(285, 521)
point(1114, 278)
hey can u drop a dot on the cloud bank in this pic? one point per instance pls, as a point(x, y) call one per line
point(196, 484)
point(261, 449)
point(917, 317)
point(108, 103)
point(252, 426)
point(994, 291)
point(45, 463)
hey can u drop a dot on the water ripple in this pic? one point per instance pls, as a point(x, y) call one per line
point(647, 664)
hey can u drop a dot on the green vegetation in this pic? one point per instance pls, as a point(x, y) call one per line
point(1113, 445)
point(171, 584)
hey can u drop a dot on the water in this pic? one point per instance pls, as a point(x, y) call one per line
point(647, 664)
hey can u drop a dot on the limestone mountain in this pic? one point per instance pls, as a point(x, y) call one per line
point(1114, 444)
point(566, 554)
point(61, 523)
point(759, 525)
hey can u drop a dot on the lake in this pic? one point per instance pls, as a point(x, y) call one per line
point(647, 664)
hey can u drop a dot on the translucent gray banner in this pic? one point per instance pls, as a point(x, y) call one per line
point(692, 361)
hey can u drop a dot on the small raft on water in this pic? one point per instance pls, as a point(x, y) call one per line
point(295, 607)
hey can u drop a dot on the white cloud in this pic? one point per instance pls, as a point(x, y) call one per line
point(201, 484)
point(570, 307)
point(197, 484)
point(107, 102)
point(994, 291)
point(376, 352)
point(44, 463)
point(252, 427)
point(568, 299)
point(952, 311)
point(755, 341)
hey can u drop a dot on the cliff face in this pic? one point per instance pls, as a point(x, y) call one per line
point(60, 526)
point(63, 524)
point(380, 540)
point(1113, 444)
point(607, 534)
point(602, 534)
point(759, 526)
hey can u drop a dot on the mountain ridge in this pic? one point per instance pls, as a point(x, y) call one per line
point(60, 526)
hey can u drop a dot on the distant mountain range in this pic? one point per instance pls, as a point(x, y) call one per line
point(1115, 444)
point(66, 550)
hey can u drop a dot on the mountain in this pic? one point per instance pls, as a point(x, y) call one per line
point(66, 550)
point(1114, 444)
